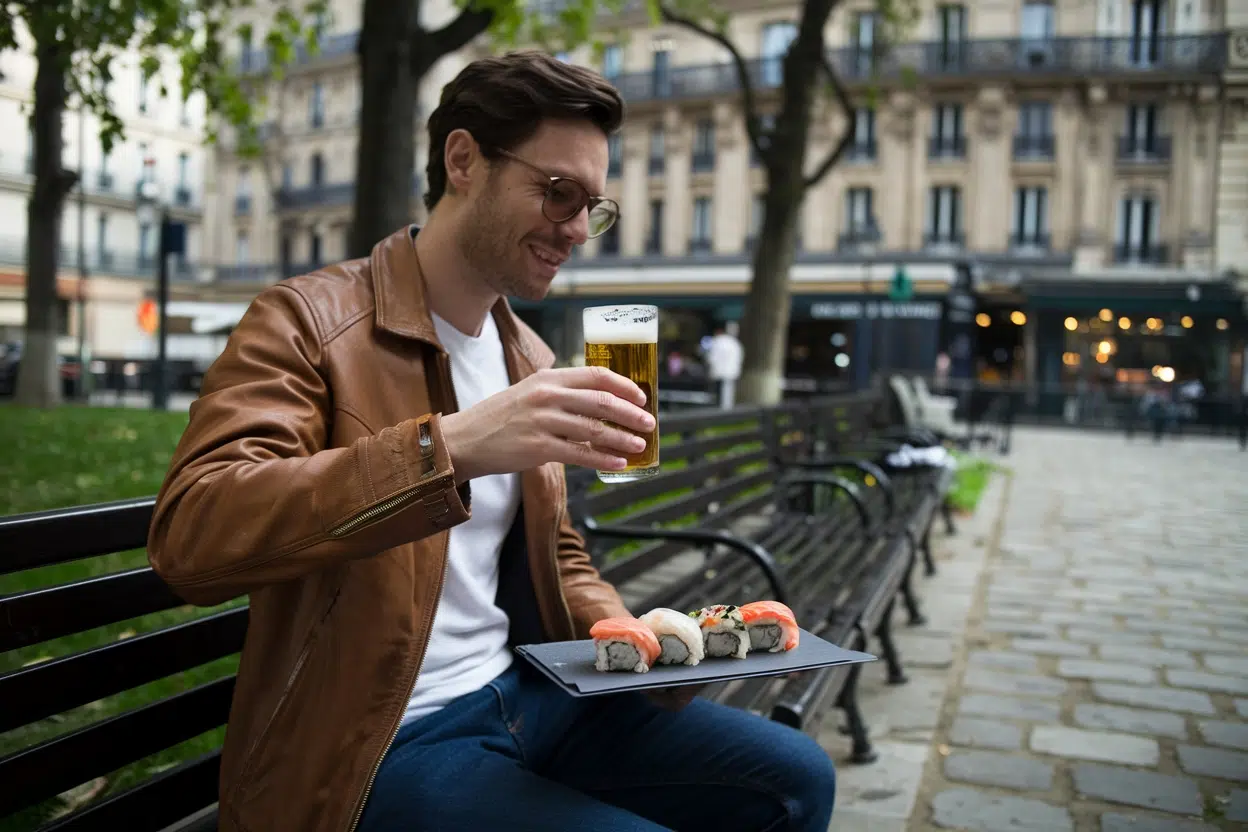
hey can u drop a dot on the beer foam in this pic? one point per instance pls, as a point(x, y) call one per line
point(621, 325)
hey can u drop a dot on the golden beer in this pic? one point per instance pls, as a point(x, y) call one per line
point(625, 340)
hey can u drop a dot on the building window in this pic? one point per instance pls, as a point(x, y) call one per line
point(1031, 218)
point(1143, 139)
point(1034, 138)
point(614, 155)
point(701, 240)
point(863, 147)
point(242, 249)
point(661, 76)
point(610, 241)
point(657, 152)
point(704, 146)
point(947, 139)
point(316, 172)
point(145, 244)
point(316, 105)
point(862, 40)
point(1138, 219)
point(859, 217)
point(101, 239)
point(777, 37)
point(654, 237)
point(1148, 23)
point(951, 34)
point(944, 215)
point(612, 62)
point(314, 249)
point(766, 125)
point(244, 49)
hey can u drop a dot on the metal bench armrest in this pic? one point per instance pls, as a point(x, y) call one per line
point(748, 548)
point(841, 483)
point(865, 466)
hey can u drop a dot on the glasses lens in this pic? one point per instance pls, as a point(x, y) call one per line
point(602, 216)
point(564, 200)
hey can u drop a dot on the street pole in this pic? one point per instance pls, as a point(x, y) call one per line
point(84, 374)
point(160, 393)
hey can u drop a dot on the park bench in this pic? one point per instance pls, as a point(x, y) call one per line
point(728, 520)
point(63, 688)
point(828, 545)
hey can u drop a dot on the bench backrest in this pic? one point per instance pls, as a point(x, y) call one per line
point(100, 675)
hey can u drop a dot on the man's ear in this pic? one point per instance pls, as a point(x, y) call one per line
point(462, 157)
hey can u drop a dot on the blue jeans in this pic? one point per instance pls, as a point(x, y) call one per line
point(520, 754)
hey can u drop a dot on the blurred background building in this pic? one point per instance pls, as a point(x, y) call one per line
point(1090, 159)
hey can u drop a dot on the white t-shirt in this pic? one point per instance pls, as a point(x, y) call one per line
point(468, 645)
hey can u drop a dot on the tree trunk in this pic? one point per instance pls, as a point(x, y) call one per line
point(765, 325)
point(38, 381)
point(385, 153)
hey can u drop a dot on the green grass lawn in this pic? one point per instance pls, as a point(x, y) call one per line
point(70, 456)
point(969, 481)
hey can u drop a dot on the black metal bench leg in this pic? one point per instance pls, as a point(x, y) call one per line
point(908, 595)
point(947, 510)
point(929, 563)
point(847, 701)
point(884, 632)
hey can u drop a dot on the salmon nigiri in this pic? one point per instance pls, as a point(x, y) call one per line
point(624, 644)
point(772, 626)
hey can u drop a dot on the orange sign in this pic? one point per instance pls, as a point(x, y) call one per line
point(149, 318)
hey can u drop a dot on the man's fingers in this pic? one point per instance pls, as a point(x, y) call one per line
point(600, 378)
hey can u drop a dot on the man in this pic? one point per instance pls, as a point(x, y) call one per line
point(377, 459)
point(724, 356)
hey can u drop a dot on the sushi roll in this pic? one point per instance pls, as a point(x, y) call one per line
point(623, 644)
point(680, 638)
point(723, 630)
point(772, 626)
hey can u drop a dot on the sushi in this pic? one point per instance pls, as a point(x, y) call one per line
point(624, 644)
point(771, 625)
point(680, 638)
point(723, 630)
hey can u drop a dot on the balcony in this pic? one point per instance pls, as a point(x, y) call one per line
point(943, 239)
point(329, 46)
point(1143, 149)
point(863, 235)
point(861, 152)
point(97, 261)
point(702, 161)
point(700, 245)
point(323, 194)
point(1076, 57)
point(946, 147)
point(1141, 254)
point(1034, 148)
point(1029, 242)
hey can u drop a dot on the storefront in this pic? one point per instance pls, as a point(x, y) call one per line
point(1123, 338)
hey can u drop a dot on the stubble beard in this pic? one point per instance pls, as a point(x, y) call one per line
point(490, 247)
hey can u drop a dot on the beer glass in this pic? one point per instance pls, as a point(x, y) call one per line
point(625, 340)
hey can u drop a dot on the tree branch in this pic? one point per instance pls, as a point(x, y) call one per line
point(429, 47)
point(753, 128)
point(851, 128)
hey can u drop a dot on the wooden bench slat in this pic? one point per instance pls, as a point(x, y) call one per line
point(44, 614)
point(44, 538)
point(45, 770)
point(153, 805)
point(628, 494)
point(41, 690)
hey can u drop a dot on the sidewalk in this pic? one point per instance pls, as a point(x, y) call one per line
point(1085, 664)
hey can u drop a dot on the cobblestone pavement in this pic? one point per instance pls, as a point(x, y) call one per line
point(1085, 666)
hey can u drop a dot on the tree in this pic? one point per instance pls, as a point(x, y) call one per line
point(782, 149)
point(396, 52)
point(77, 44)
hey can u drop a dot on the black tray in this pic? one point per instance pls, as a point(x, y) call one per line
point(570, 664)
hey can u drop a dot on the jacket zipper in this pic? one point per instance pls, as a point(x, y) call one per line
point(448, 392)
point(397, 500)
point(560, 502)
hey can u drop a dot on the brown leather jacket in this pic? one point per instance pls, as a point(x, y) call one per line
point(313, 477)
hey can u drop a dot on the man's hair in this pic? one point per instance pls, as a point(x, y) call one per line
point(502, 100)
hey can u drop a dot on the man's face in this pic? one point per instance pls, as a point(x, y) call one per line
point(508, 238)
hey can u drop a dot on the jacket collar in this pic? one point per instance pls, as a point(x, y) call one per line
point(399, 288)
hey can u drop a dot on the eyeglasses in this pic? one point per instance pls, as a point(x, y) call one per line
point(565, 198)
